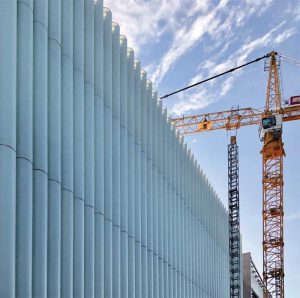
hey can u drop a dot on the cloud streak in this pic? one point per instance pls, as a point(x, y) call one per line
point(145, 22)
point(201, 97)
point(187, 38)
point(217, 23)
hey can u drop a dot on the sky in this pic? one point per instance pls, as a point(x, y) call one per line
point(183, 41)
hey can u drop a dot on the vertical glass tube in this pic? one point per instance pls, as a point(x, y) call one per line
point(144, 197)
point(160, 201)
point(137, 176)
point(131, 178)
point(78, 141)
point(124, 160)
point(67, 151)
point(165, 202)
point(170, 152)
point(149, 125)
point(108, 154)
point(40, 149)
point(54, 149)
point(155, 196)
point(89, 149)
point(24, 148)
point(8, 87)
point(99, 151)
point(116, 157)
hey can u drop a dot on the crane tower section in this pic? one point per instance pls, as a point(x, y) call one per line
point(272, 158)
point(234, 219)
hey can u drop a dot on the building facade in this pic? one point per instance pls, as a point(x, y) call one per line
point(253, 286)
point(99, 195)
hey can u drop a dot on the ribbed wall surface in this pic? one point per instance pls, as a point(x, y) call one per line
point(99, 196)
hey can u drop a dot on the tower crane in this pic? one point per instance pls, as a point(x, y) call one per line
point(270, 121)
point(234, 219)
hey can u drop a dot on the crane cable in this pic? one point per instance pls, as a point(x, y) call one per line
point(218, 75)
point(289, 59)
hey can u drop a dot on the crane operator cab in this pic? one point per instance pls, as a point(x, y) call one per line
point(271, 124)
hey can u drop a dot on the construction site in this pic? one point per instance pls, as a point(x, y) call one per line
point(103, 191)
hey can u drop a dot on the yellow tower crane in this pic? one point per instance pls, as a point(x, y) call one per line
point(270, 121)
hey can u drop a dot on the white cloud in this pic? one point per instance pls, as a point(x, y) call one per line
point(293, 11)
point(285, 35)
point(218, 23)
point(227, 85)
point(187, 38)
point(297, 13)
point(144, 21)
point(186, 22)
point(192, 102)
point(258, 6)
point(202, 96)
point(263, 41)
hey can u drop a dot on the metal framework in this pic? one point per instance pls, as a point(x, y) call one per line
point(229, 120)
point(272, 156)
point(234, 219)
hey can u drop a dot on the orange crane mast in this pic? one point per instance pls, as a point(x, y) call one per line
point(270, 121)
point(272, 158)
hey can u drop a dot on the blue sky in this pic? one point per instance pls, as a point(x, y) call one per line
point(183, 41)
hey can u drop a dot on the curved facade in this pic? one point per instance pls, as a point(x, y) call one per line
point(99, 195)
